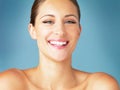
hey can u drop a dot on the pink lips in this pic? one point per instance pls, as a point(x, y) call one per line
point(59, 44)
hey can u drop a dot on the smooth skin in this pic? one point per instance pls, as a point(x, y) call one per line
point(56, 21)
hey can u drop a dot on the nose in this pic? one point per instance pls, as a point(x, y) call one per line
point(59, 29)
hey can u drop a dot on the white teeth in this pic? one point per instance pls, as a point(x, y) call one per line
point(58, 43)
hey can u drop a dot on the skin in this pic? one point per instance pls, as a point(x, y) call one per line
point(56, 21)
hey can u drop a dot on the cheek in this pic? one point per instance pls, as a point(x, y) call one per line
point(41, 38)
point(74, 33)
point(42, 33)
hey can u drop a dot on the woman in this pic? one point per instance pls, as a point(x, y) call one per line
point(55, 26)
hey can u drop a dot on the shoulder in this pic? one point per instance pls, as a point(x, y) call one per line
point(102, 81)
point(12, 79)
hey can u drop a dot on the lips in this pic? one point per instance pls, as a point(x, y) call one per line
point(58, 43)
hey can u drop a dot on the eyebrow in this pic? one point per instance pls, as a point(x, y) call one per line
point(47, 15)
point(71, 15)
point(65, 15)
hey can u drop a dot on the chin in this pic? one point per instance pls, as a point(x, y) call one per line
point(60, 58)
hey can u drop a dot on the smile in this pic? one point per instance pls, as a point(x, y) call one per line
point(58, 43)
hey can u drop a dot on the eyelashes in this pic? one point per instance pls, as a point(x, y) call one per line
point(70, 22)
point(53, 22)
point(47, 22)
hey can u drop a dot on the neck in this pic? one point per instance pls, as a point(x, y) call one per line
point(53, 74)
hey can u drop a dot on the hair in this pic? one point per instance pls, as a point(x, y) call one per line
point(36, 5)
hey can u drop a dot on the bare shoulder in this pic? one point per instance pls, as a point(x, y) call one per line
point(102, 81)
point(96, 81)
point(12, 79)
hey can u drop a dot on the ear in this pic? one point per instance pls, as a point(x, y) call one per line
point(32, 31)
point(80, 29)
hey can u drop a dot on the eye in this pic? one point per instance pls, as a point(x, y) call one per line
point(70, 22)
point(48, 22)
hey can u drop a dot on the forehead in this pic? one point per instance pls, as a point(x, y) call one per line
point(57, 6)
point(57, 2)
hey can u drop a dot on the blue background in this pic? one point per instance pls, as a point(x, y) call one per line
point(98, 49)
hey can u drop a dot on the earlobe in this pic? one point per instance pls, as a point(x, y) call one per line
point(32, 31)
point(80, 29)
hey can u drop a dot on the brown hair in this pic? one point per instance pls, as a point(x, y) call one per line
point(37, 3)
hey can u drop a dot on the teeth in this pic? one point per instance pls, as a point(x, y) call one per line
point(58, 43)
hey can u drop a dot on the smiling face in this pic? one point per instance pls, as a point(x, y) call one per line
point(56, 29)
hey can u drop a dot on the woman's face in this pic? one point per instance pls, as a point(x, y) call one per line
point(56, 29)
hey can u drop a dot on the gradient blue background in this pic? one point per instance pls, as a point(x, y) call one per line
point(98, 49)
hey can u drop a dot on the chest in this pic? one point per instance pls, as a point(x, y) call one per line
point(80, 87)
